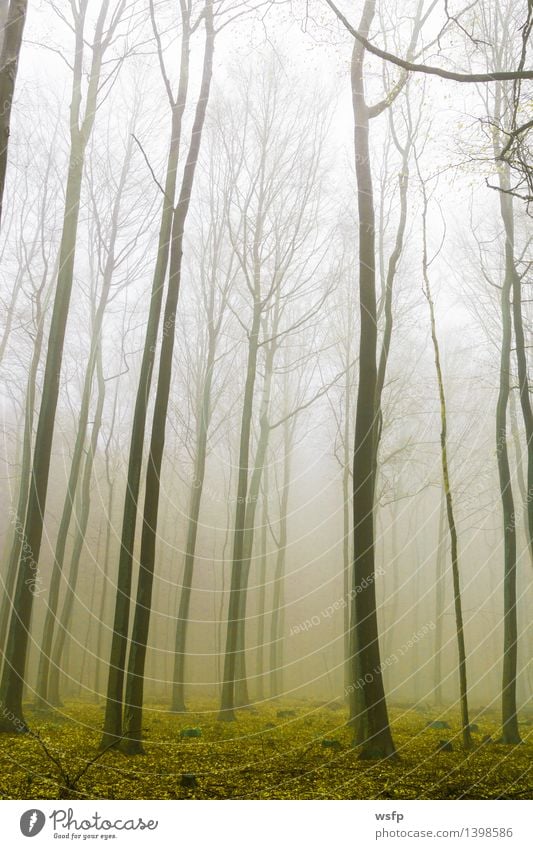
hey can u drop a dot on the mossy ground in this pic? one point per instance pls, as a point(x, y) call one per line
point(264, 756)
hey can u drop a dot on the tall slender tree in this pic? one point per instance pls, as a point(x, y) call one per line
point(40, 295)
point(446, 479)
point(133, 701)
point(215, 281)
point(177, 102)
point(81, 124)
point(99, 306)
point(11, 42)
point(272, 232)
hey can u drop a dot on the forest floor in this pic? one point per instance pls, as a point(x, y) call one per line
point(282, 750)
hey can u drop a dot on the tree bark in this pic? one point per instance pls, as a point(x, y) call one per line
point(41, 696)
point(242, 698)
point(454, 546)
point(112, 730)
point(12, 683)
point(439, 607)
point(364, 625)
point(510, 645)
point(261, 616)
point(276, 625)
point(204, 417)
point(25, 468)
point(137, 655)
point(82, 519)
point(9, 60)
point(510, 730)
point(227, 701)
point(17, 642)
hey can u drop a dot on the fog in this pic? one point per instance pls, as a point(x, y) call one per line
point(248, 364)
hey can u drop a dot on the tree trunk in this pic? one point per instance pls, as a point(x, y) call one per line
point(82, 520)
point(242, 698)
point(41, 699)
point(346, 535)
point(17, 642)
point(364, 625)
point(85, 649)
point(463, 691)
point(439, 607)
point(511, 733)
point(25, 471)
point(135, 680)
point(276, 629)
point(510, 644)
point(261, 618)
point(103, 597)
point(227, 701)
point(112, 730)
point(178, 687)
point(9, 59)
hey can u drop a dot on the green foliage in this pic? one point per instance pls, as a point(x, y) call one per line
point(261, 756)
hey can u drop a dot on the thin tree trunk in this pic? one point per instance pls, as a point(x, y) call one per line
point(109, 527)
point(276, 630)
point(261, 617)
point(79, 446)
point(82, 520)
point(178, 687)
point(439, 606)
point(112, 730)
point(392, 268)
point(242, 698)
point(346, 528)
point(227, 701)
point(85, 648)
point(388, 640)
point(454, 546)
point(510, 645)
point(136, 662)
point(9, 59)
point(103, 596)
point(219, 630)
point(25, 469)
point(17, 644)
point(511, 733)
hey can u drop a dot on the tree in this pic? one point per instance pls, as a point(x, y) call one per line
point(365, 602)
point(295, 399)
point(12, 31)
point(215, 280)
point(273, 234)
point(40, 295)
point(81, 520)
point(502, 104)
point(115, 683)
point(99, 304)
point(365, 647)
point(369, 717)
point(111, 479)
point(135, 680)
point(450, 511)
point(511, 286)
point(81, 125)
